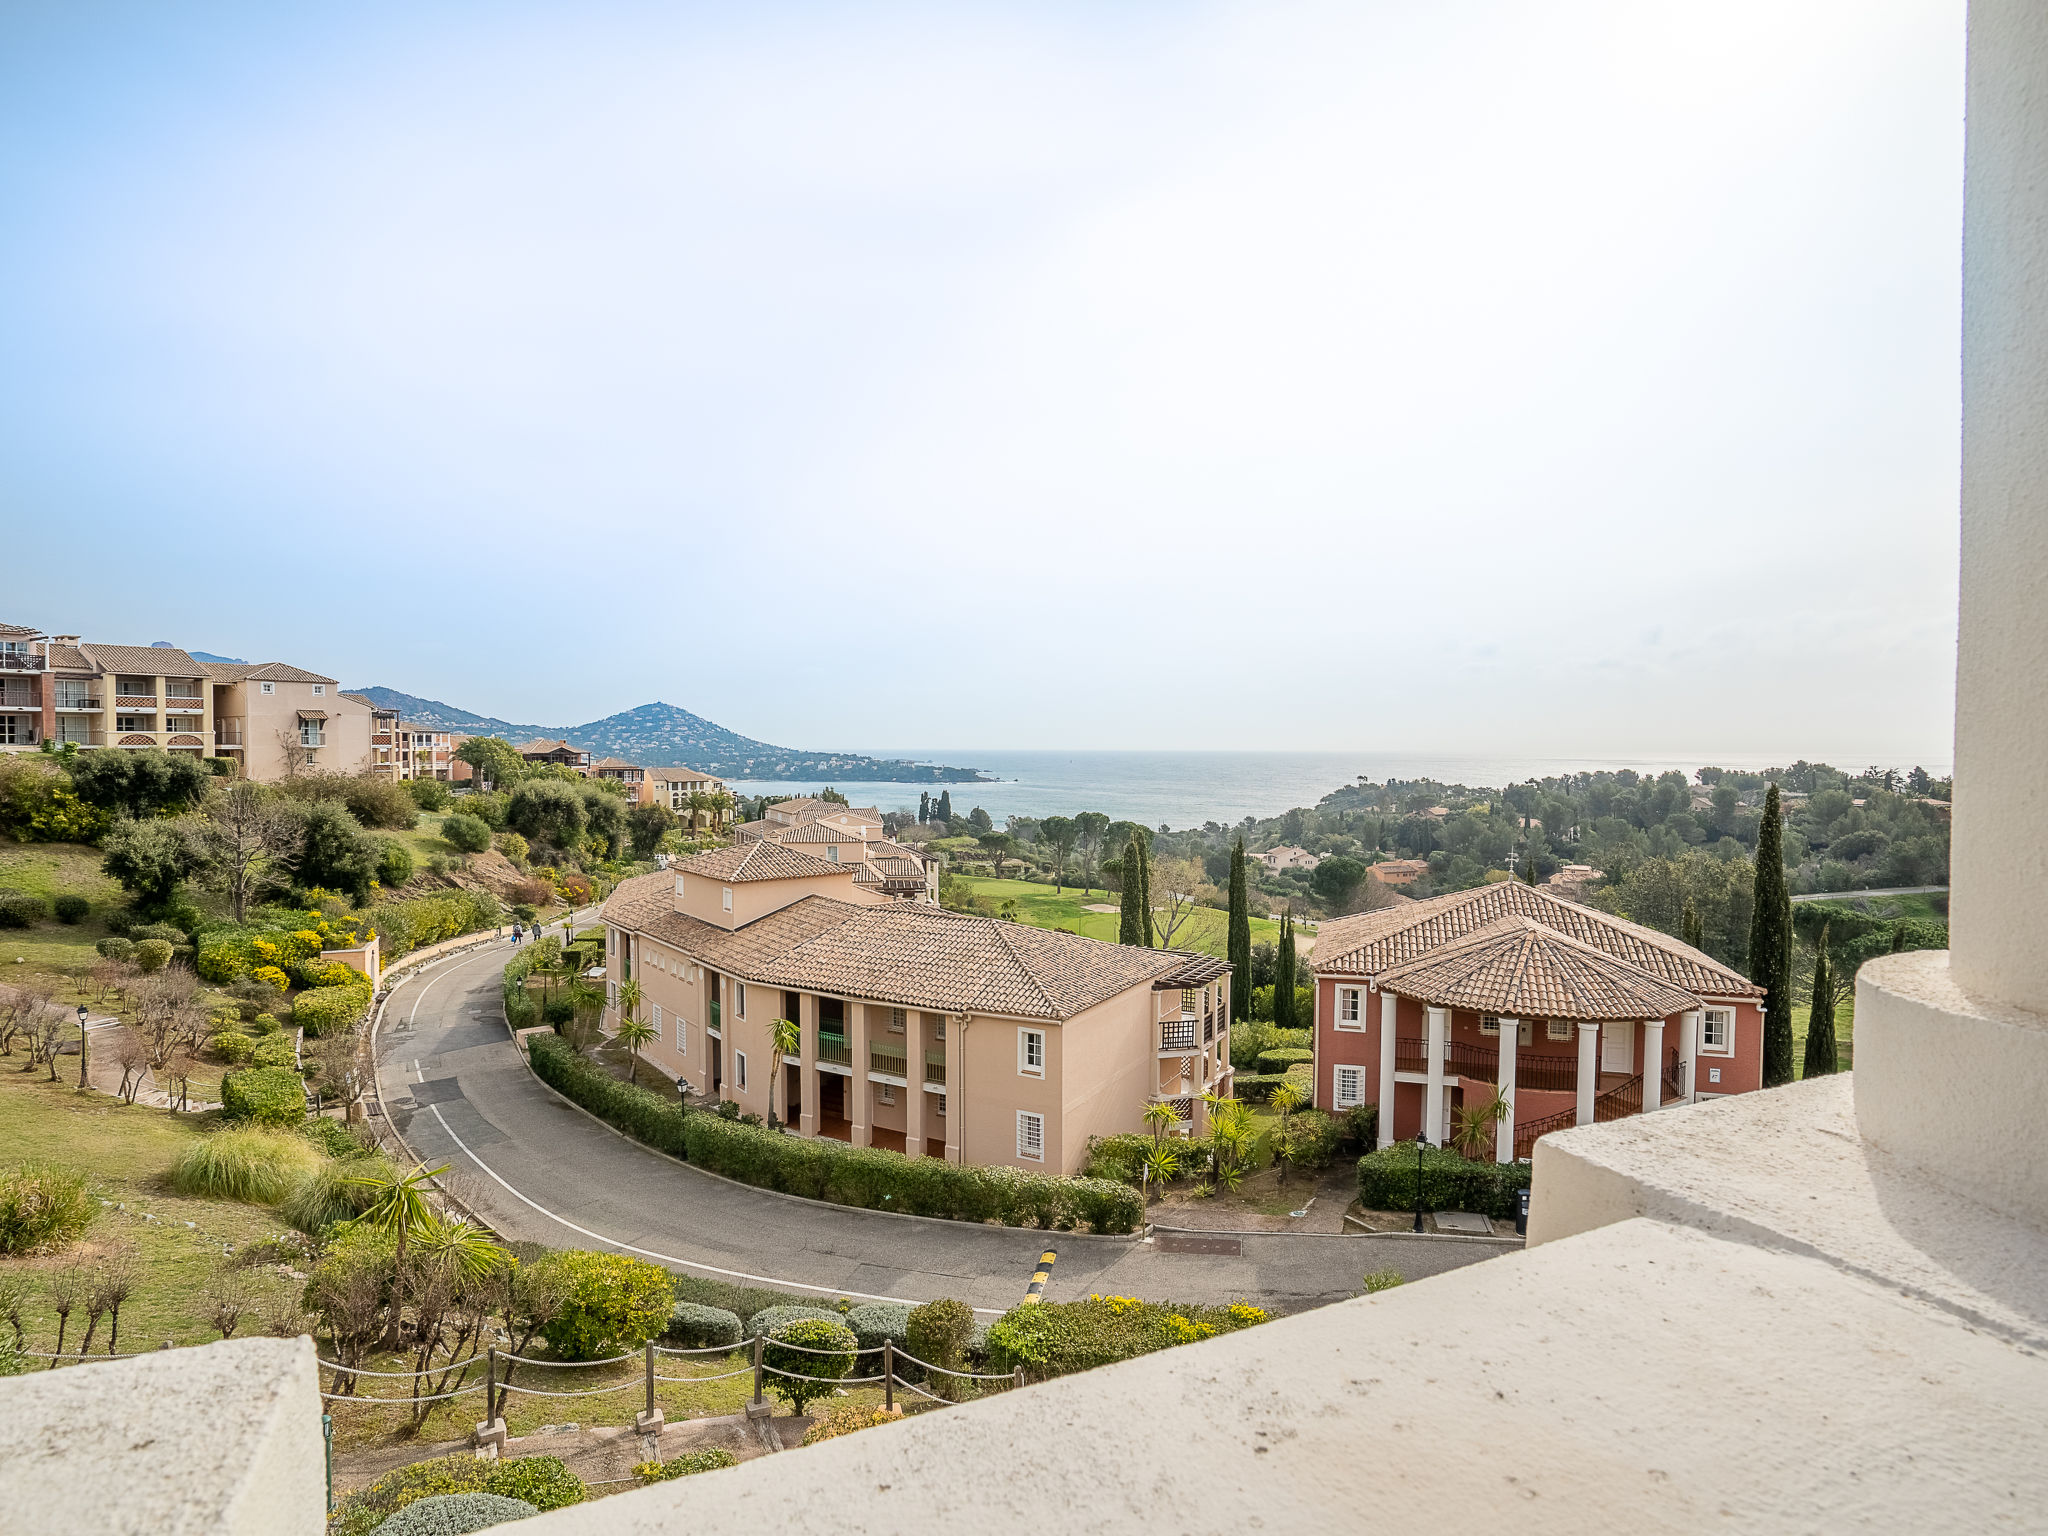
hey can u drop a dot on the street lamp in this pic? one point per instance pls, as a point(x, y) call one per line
point(81, 1045)
point(1421, 1141)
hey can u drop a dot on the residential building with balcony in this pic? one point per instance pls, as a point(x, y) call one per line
point(842, 834)
point(62, 690)
point(1288, 857)
point(630, 777)
point(922, 1030)
point(679, 789)
point(1574, 1016)
point(558, 753)
point(278, 721)
point(26, 717)
point(425, 754)
point(384, 728)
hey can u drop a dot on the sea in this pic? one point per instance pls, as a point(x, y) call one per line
point(1189, 789)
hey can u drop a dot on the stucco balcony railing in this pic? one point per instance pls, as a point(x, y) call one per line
point(935, 1067)
point(834, 1051)
point(889, 1060)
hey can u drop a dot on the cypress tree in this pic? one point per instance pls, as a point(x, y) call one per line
point(1127, 929)
point(945, 809)
point(924, 806)
point(1820, 1021)
point(1690, 927)
point(1283, 976)
point(1770, 943)
point(1150, 939)
point(1239, 946)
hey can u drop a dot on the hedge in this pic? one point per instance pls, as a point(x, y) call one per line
point(21, 909)
point(1058, 1338)
point(1281, 1058)
point(331, 1010)
point(265, 1095)
point(274, 1051)
point(872, 1178)
point(542, 1481)
point(1386, 1181)
point(455, 1514)
point(1257, 1087)
point(686, 1466)
point(768, 1319)
point(691, 1326)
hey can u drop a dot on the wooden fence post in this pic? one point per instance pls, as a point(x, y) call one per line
point(889, 1374)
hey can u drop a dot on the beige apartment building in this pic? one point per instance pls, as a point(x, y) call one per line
point(923, 1031)
point(278, 721)
point(675, 788)
point(61, 690)
point(844, 834)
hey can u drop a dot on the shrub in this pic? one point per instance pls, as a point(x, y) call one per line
point(1376, 1280)
point(848, 1417)
point(1359, 1127)
point(331, 1010)
point(21, 909)
point(691, 1326)
point(382, 803)
point(360, 1512)
point(455, 1514)
point(113, 947)
point(71, 909)
point(429, 794)
point(152, 955)
point(513, 846)
point(264, 1095)
point(808, 1335)
point(640, 1114)
point(1386, 1181)
point(615, 1303)
point(170, 933)
point(233, 1047)
point(394, 864)
point(264, 1024)
point(1257, 1087)
point(334, 1138)
point(1280, 1058)
point(1315, 1139)
point(542, 1481)
point(874, 1321)
point(466, 833)
point(42, 1206)
point(939, 1333)
point(743, 1301)
point(12, 1361)
point(686, 1466)
point(486, 808)
point(1057, 1338)
point(1120, 1157)
point(261, 1167)
point(275, 1051)
point(768, 1319)
point(271, 977)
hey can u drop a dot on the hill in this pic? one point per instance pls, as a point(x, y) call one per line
point(662, 735)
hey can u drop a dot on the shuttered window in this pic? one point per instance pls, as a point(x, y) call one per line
point(1030, 1136)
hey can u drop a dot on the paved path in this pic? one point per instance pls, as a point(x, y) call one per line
point(1897, 890)
point(541, 1170)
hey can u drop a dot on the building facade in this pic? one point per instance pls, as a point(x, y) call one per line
point(844, 834)
point(278, 721)
point(1573, 1016)
point(924, 1031)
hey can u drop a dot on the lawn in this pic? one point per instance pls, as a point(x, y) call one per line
point(1039, 907)
point(1845, 1026)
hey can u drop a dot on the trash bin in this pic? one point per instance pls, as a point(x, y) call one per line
point(1521, 1213)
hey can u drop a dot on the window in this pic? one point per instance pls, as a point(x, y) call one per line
point(1489, 1024)
point(1349, 1087)
point(135, 723)
point(268, 687)
point(1351, 1008)
point(682, 1036)
point(1717, 1031)
point(1031, 1052)
point(1187, 1000)
point(728, 898)
point(885, 1093)
point(938, 1025)
point(1557, 1029)
point(657, 1018)
point(739, 998)
point(942, 1103)
point(319, 690)
point(739, 1069)
point(1030, 1136)
point(896, 1021)
point(8, 730)
point(832, 853)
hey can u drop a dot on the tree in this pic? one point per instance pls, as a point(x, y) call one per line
point(1692, 929)
point(633, 1031)
point(604, 819)
point(240, 841)
point(1284, 969)
point(822, 1354)
point(1337, 880)
point(999, 846)
point(547, 811)
point(1285, 1100)
point(141, 784)
point(1238, 949)
point(1132, 924)
point(646, 825)
point(1820, 1021)
point(1770, 943)
point(333, 853)
point(1058, 834)
point(466, 833)
point(495, 760)
point(1179, 879)
point(979, 821)
point(785, 1039)
point(924, 806)
point(150, 858)
point(396, 1204)
point(1090, 827)
point(394, 864)
point(1144, 847)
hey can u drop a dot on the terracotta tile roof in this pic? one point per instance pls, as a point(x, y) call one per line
point(906, 953)
point(762, 859)
point(144, 660)
point(357, 698)
point(241, 671)
point(613, 762)
point(20, 632)
point(1519, 969)
point(539, 746)
point(675, 772)
point(70, 658)
point(1373, 942)
point(813, 832)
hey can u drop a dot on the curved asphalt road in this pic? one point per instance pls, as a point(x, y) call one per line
point(541, 1170)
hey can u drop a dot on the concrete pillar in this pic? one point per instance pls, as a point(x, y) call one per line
point(1689, 1054)
point(1589, 1071)
point(860, 1093)
point(1504, 1130)
point(807, 1064)
point(1388, 1011)
point(956, 1068)
point(913, 1073)
point(1653, 1064)
point(1433, 1106)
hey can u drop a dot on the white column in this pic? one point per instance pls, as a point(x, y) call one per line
point(956, 1064)
point(1433, 1107)
point(1504, 1130)
point(913, 1082)
point(860, 1093)
point(1653, 1064)
point(1386, 1082)
point(807, 1065)
point(1689, 1054)
point(1589, 1071)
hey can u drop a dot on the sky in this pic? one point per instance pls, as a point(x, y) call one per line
point(1562, 378)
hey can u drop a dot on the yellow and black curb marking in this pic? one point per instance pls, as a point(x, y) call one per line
point(1036, 1288)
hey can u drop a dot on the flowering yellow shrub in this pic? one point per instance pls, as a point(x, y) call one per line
point(265, 951)
point(1244, 1314)
point(272, 976)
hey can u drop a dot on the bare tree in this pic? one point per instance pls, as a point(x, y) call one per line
point(167, 1013)
point(298, 758)
point(44, 1031)
point(21, 1006)
point(112, 1287)
point(243, 837)
point(228, 1295)
point(68, 1285)
point(1174, 883)
point(106, 976)
point(14, 1295)
point(134, 1069)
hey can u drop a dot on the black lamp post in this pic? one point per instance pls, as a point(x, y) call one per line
point(1421, 1141)
point(81, 1045)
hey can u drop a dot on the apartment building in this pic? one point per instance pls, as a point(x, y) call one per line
point(678, 789)
point(558, 753)
point(60, 689)
point(24, 690)
point(924, 1031)
point(630, 777)
point(426, 754)
point(1574, 1016)
point(384, 728)
point(844, 834)
point(278, 721)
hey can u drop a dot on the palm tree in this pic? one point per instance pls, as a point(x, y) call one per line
point(398, 1205)
point(1472, 1127)
point(785, 1039)
point(1160, 1117)
point(464, 1251)
point(1162, 1165)
point(633, 1031)
point(1286, 1099)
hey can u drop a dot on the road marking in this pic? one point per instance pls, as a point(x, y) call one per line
point(666, 1258)
point(1036, 1289)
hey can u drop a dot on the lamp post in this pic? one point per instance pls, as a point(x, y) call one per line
point(1421, 1141)
point(81, 1045)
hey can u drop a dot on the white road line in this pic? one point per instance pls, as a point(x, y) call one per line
point(667, 1258)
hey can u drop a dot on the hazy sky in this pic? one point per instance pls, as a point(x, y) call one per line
point(1575, 378)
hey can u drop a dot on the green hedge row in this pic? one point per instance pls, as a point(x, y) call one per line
point(872, 1178)
point(1059, 1338)
point(1257, 1087)
point(1450, 1182)
point(330, 1010)
point(264, 1096)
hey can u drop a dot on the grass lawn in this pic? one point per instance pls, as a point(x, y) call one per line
point(1039, 907)
point(1845, 1029)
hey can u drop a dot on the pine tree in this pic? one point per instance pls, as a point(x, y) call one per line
point(1770, 943)
point(1283, 976)
point(1691, 928)
point(1150, 939)
point(1820, 1021)
point(1239, 945)
point(1128, 930)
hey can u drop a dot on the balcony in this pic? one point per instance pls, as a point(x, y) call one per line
point(78, 701)
point(76, 736)
point(22, 661)
point(227, 733)
point(935, 1067)
point(135, 701)
point(19, 733)
point(717, 1019)
point(19, 698)
point(833, 1051)
point(1177, 1035)
point(312, 738)
point(890, 1061)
